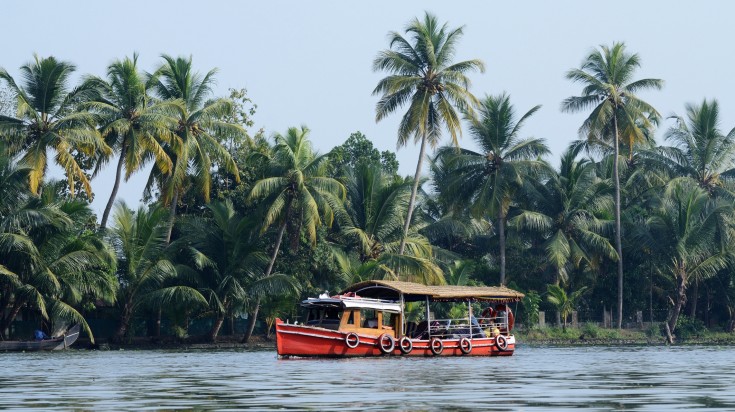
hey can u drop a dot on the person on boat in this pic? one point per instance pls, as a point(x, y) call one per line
point(40, 335)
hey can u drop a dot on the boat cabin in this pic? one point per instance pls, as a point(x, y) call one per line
point(352, 313)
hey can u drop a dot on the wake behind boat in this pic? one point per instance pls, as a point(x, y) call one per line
point(61, 342)
point(369, 319)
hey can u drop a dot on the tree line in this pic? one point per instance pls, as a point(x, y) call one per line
point(237, 223)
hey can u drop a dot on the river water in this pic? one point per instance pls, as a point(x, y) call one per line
point(534, 379)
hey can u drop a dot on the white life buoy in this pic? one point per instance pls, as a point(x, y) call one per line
point(501, 342)
point(352, 340)
point(405, 345)
point(465, 345)
point(386, 343)
point(436, 345)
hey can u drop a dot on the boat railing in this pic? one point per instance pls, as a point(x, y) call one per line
point(464, 327)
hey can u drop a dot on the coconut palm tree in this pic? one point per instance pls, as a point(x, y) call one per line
point(565, 212)
point(224, 249)
point(374, 229)
point(488, 179)
point(610, 91)
point(295, 191)
point(683, 231)
point(565, 303)
point(423, 76)
point(700, 150)
point(195, 147)
point(132, 124)
point(51, 265)
point(144, 266)
point(48, 120)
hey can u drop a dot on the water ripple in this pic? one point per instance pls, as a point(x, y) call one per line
point(535, 379)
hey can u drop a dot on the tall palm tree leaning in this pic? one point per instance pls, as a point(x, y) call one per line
point(130, 123)
point(48, 119)
point(488, 179)
point(422, 73)
point(610, 91)
point(194, 147)
point(297, 187)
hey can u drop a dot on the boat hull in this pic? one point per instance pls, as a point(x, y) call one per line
point(309, 341)
point(38, 345)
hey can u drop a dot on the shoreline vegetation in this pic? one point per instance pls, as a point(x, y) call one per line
point(238, 225)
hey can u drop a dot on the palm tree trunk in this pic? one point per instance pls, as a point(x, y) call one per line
point(414, 190)
point(268, 270)
point(501, 241)
point(681, 297)
point(695, 296)
point(212, 337)
point(618, 236)
point(115, 187)
point(172, 220)
point(122, 327)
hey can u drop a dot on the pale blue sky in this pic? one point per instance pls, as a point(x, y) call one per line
point(309, 62)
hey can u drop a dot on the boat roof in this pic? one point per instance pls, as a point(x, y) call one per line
point(391, 289)
point(348, 302)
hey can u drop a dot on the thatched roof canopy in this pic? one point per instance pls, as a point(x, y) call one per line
point(390, 289)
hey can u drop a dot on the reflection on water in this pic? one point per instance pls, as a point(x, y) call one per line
point(535, 378)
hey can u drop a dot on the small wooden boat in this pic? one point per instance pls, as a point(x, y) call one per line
point(61, 342)
point(368, 319)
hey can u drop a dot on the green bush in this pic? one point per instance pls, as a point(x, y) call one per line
point(687, 328)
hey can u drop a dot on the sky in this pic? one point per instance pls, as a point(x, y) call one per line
point(310, 62)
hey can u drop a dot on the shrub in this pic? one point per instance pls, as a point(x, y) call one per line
point(687, 328)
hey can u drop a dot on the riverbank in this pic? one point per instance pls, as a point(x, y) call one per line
point(146, 343)
point(591, 335)
point(583, 336)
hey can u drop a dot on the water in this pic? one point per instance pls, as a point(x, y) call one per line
point(534, 379)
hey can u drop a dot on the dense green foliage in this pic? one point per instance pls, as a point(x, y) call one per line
point(285, 222)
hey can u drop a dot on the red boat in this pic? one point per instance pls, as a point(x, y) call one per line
point(392, 318)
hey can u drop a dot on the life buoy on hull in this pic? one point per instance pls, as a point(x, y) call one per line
point(501, 342)
point(405, 345)
point(386, 343)
point(352, 340)
point(465, 345)
point(436, 345)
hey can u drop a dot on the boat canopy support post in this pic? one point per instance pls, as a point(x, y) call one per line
point(428, 313)
point(403, 315)
point(469, 317)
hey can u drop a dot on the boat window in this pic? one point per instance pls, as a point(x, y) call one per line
point(388, 320)
point(351, 318)
point(371, 318)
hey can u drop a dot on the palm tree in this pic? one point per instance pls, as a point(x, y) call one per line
point(131, 123)
point(488, 179)
point(564, 302)
point(701, 151)
point(224, 249)
point(683, 231)
point(48, 120)
point(422, 73)
point(51, 266)
point(139, 238)
point(610, 91)
point(565, 211)
point(296, 189)
point(375, 206)
point(195, 146)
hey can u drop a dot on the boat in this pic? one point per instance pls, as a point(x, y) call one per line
point(58, 343)
point(370, 319)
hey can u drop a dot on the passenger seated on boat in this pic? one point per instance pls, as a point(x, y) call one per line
point(421, 330)
point(476, 328)
point(40, 335)
point(371, 323)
